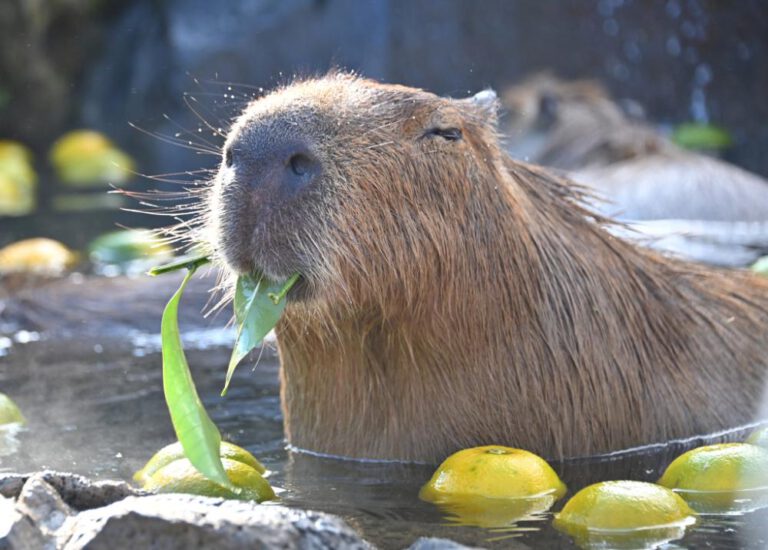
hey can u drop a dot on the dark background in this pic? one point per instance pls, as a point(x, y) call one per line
point(100, 64)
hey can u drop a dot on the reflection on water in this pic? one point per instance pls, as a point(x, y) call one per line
point(96, 408)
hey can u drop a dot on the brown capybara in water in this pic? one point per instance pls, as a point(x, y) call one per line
point(451, 297)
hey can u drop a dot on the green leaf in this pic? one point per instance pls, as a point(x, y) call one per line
point(198, 435)
point(186, 262)
point(692, 135)
point(258, 305)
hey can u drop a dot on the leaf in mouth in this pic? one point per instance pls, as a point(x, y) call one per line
point(198, 435)
point(259, 303)
point(186, 262)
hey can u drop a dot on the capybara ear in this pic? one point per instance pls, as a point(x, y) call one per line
point(487, 102)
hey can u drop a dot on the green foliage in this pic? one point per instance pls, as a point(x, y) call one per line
point(691, 135)
point(128, 245)
point(259, 303)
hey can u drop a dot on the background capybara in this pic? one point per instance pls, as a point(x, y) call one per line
point(452, 297)
point(689, 203)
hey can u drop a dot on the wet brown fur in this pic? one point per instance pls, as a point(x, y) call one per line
point(457, 298)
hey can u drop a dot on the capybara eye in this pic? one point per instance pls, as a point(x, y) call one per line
point(228, 157)
point(448, 134)
point(300, 164)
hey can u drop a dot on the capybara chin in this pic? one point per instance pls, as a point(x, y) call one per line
point(452, 297)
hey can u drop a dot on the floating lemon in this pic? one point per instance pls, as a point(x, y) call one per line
point(130, 250)
point(17, 179)
point(39, 256)
point(493, 486)
point(616, 513)
point(173, 452)
point(720, 478)
point(180, 476)
point(9, 412)
point(84, 158)
point(759, 437)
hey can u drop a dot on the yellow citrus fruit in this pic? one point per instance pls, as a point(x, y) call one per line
point(174, 451)
point(759, 437)
point(16, 163)
point(494, 513)
point(613, 511)
point(17, 179)
point(15, 198)
point(9, 411)
point(493, 471)
point(724, 467)
point(180, 476)
point(84, 157)
point(718, 477)
point(40, 256)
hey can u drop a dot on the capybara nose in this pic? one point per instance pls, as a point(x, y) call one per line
point(273, 170)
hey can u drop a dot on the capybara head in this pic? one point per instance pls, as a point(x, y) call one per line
point(541, 101)
point(349, 182)
point(571, 124)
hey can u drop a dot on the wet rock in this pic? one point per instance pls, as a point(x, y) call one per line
point(75, 491)
point(18, 532)
point(52, 510)
point(35, 516)
point(67, 307)
point(186, 521)
point(43, 505)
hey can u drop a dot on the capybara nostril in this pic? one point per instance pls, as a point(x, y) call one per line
point(300, 170)
point(229, 158)
point(303, 165)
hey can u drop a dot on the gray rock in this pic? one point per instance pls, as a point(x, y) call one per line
point(17, 530)
point(186, 521)
point(76, 491)
point(43, 505)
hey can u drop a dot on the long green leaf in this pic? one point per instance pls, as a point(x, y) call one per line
point(198, 435)
point(259, 303)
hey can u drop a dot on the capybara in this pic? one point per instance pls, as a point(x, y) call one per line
point(575, 126)
point(452, 297)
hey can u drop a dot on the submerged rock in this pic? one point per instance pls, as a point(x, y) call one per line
point(67, 307)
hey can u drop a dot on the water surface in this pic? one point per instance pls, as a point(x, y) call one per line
point(96, 408)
